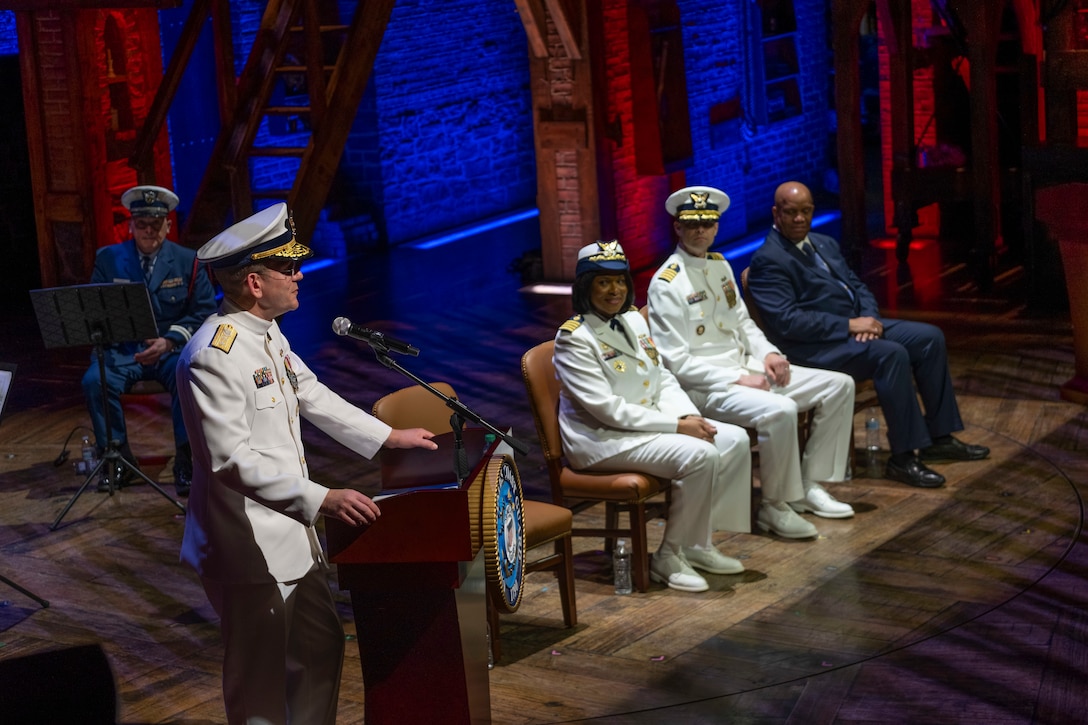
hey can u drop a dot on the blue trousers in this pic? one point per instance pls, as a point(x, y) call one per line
point(122, 372)
point(908, 363)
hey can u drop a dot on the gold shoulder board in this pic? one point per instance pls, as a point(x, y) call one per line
point(715, 255)
point(223, 338)
point(572, 324)
point(670, 272)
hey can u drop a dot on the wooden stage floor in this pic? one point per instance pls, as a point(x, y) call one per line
point(963, 604)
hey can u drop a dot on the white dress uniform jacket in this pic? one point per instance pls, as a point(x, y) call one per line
point(252, 509)
point(615, 391)
point(701, 324)
point(619, 407)
point(708, 340)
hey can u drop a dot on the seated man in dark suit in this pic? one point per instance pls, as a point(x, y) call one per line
point(819, 313)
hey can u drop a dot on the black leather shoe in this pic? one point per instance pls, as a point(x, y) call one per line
point(913, 473)
point(954, 450)
point(183, 470)
point(182, 483)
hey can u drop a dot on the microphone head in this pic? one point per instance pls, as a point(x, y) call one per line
point(341, 325)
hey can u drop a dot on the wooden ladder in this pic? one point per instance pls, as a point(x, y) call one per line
point(332, 96)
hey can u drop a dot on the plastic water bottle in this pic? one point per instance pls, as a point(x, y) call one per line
point(872, 441)
point(621, 567)
point(490, 649)
point(88, 457)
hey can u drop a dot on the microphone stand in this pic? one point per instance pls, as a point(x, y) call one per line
point(461, 413)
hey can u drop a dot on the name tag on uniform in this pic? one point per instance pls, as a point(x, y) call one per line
point(608, 352)
point(696, 298)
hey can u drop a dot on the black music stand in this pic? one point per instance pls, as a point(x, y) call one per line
point(99, 315)
point(7, 375)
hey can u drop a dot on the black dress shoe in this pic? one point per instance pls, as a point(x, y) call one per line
point(913, 473)
point(954, 450)
point(183, 470)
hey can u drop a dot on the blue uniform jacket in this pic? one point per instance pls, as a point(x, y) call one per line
point(178, 313)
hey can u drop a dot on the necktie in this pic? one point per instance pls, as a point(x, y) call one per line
point(615, 324)
point(814, 256)
point(145, 262)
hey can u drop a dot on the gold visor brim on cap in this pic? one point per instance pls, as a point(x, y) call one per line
point(293, 249)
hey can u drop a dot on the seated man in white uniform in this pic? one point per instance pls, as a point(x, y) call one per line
point(732, 373)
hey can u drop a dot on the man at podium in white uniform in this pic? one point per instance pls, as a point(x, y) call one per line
point(250, 526)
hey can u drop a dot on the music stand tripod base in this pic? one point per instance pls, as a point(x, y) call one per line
point(99, 315)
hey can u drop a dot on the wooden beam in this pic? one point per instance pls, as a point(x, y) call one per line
point(28, 5)
point(561, 18)
point(532, 17)
point(315, 64)
point(222, 39)
point(846, 18)
point(164, 94)
point(345, 93)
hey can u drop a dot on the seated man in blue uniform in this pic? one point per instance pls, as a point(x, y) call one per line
point(819, 313)
point(181, 298)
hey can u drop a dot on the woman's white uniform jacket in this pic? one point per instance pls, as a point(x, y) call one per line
point(615, 391)
point(252, 509)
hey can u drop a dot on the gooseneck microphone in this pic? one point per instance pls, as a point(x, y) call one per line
point(343, 326)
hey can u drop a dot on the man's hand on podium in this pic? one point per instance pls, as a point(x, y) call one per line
point(349, 506)
point(411, 438)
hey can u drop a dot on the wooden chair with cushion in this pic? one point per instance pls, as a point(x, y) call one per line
point(545, 523)
point(864, 392)
point(629, 492)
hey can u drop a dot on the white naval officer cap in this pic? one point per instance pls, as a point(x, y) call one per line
point(697, 204)
point(601, 257)
point(149, 201)
point(268, 234)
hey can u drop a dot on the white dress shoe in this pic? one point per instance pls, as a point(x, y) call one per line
point(818, 501)
point(777, 516)
point(676, 573)
point(712, 561)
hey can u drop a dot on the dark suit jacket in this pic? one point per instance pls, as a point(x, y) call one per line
point(804, 308)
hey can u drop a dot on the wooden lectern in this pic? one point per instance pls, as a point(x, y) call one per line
point(419, 596)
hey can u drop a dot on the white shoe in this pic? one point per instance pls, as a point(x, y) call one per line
point(777, 516)
point(676, 573)
point(711, 560)
point(818, 501)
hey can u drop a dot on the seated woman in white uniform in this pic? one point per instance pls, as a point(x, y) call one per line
point(621, 409)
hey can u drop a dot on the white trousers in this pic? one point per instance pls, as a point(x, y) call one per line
point(782, 469)
point(711, 482)
point(284, 649)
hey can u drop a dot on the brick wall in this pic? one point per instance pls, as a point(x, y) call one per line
point(9, 40)
point(444, 138)
point(764, 155)
point(644, 228)
point(745, 159)
point(451, 98)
